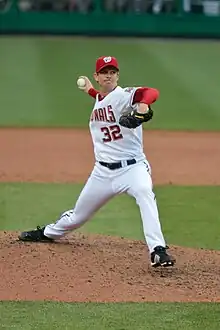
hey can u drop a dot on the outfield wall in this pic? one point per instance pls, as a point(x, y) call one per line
point(103, 23)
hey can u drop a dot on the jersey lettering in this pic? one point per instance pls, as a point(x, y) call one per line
point(105, 114)
point(94, 115)
point(111, 115)
point(101, 114)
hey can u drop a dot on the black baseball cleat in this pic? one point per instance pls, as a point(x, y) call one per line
point(36, 235)
point(160, 258)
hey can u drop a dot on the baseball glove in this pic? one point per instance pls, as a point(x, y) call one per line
point(133, 119)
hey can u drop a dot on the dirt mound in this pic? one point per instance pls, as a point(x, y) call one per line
point(103, 269)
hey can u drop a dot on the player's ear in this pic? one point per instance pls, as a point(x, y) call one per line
point(95, 75)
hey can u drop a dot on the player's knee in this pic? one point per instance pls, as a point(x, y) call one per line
point(145, 187)
point(143, 191)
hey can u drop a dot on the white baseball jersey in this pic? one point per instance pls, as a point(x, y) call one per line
point(112, 142)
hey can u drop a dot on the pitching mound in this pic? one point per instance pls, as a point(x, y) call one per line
point(103, 269)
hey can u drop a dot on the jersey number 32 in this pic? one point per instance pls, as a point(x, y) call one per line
point(111, 133)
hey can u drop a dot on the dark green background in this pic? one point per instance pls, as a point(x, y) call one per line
point(101, 22)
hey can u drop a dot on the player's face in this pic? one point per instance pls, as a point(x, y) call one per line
point(107, 78)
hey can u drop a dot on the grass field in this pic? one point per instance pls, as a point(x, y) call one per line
point(189, 215)
point(129, 316)
point(38, 88)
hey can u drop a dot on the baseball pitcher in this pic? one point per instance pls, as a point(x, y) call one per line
point(120, 163)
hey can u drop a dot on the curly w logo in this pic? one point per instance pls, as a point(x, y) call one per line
point(107, 59)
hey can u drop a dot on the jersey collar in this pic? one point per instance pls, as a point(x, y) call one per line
point(101, 97)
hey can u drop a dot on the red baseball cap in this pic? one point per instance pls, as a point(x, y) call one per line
point(105, 61)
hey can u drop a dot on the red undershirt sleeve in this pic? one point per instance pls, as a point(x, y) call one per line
point(145, 95)
point(93, 92)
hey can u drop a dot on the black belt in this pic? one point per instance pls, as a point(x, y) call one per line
point(114, 166)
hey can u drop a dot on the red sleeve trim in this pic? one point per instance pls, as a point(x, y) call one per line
point(145, 95)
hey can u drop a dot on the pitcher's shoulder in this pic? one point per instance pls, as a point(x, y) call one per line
point(129, 90)
point(125, 91)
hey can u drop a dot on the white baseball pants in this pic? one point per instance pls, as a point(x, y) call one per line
point(102, 185)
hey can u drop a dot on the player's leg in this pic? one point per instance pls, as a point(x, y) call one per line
point(95, 193)
point(141, 188)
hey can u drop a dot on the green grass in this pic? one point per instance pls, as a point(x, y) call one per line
point(189, 215)
point(130, 316)
point(38, 79)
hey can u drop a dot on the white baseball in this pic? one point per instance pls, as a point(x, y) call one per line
point(81, 82)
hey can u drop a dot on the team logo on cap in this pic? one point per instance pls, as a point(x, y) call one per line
point(107, 59)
